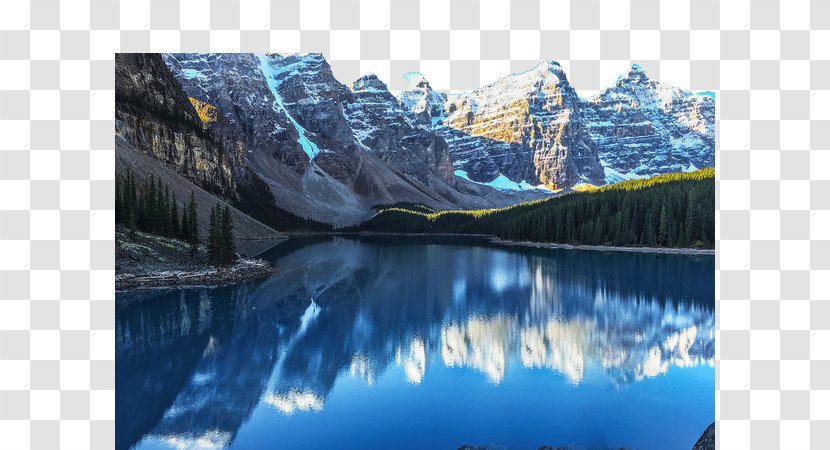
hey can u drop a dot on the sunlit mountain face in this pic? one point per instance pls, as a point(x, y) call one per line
point(418, 343)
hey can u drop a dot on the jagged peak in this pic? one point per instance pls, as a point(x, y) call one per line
point(416, 81)
point(547, 69)
point(310, 60)
point(370, 81)
point(548, 65)
point(635, 74)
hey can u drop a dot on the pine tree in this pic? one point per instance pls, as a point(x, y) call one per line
point(663, 230)
point(193, 222)
point(228, 248)
point(174, 217)
point(132, 202)
point(692, 224)
point(150, 206)
point(162, 216)
point(184, 229)
point(119, 201)
point(214, 238)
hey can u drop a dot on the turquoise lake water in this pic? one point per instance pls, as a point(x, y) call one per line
point(423, 343)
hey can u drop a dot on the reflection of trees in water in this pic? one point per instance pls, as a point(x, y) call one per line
point(201, 360)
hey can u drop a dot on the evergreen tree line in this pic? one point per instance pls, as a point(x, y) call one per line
point(220, 244)
point(257, 200)
point(675, 210)
point(149, 206)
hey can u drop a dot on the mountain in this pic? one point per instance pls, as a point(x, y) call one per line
point(153, 113)
point(327, 151)
point(642, 127)
point(526, 127)
point(161, 132)
point(532, 127)
point(280, 138)
point(670, 210)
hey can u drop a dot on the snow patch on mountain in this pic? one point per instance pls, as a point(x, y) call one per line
point(271, 74)
point(614, 176)
point(533, 125)
point(502, 183)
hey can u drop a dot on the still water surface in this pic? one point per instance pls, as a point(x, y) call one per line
point(423, 343)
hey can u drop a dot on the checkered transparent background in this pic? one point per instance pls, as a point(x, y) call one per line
point(768, 61)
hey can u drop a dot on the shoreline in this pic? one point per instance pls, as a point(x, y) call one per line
point(389, 233)
point(246, 269)
point(551, 245)
point(604, 248)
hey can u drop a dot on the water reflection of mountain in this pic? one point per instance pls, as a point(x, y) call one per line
point(199, 361)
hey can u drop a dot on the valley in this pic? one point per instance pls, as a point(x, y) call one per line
point(288, 148)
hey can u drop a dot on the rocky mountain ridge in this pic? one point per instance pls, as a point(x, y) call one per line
point(247, 126)
point(533, 127)
point(327, 151)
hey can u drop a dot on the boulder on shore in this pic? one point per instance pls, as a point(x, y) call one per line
point(707, 440)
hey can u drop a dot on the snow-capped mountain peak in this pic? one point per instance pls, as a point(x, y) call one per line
point(635, 74)
point(369, 82)
point(533, 126)
point(416, 81)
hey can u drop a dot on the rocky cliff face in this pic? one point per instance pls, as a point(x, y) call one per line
point(642, 127)
point(153, 114)
point(328, 151)
point(246, 120)
point(380, 124)
point(533, 127)
point(156, 122)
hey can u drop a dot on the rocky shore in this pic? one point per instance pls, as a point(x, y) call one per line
point(607, 248)
point(243, 270)
point(707, 439)
point(147, 260)
point(706, 442)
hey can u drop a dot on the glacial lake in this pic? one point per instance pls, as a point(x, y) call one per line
point(423, 343)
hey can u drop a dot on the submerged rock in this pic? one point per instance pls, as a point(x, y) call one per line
point(707, 440)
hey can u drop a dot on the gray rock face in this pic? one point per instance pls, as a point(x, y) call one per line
point(154, 115)
point(533, 126)
point(246, 120)
point(532, 123)
point(328, 151)
point(527, 127)
point(379, 123)
point(707, 440)
point(642, 127)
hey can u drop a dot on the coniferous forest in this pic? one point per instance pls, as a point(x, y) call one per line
point(221, 248)
point(149, 206)
point(674, 210)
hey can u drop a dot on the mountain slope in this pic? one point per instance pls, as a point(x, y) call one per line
point(642, 127)
point(278, 134)
point(143, 166)
point(530, 125)
point(154, 116)
point(533, 127)
point(326, 151)
point(672, 210)
point(152, 113)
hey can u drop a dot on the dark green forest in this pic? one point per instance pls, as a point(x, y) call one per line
point(149, 206)
point(673, 210)
point(256, 200)
point(220, 244)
